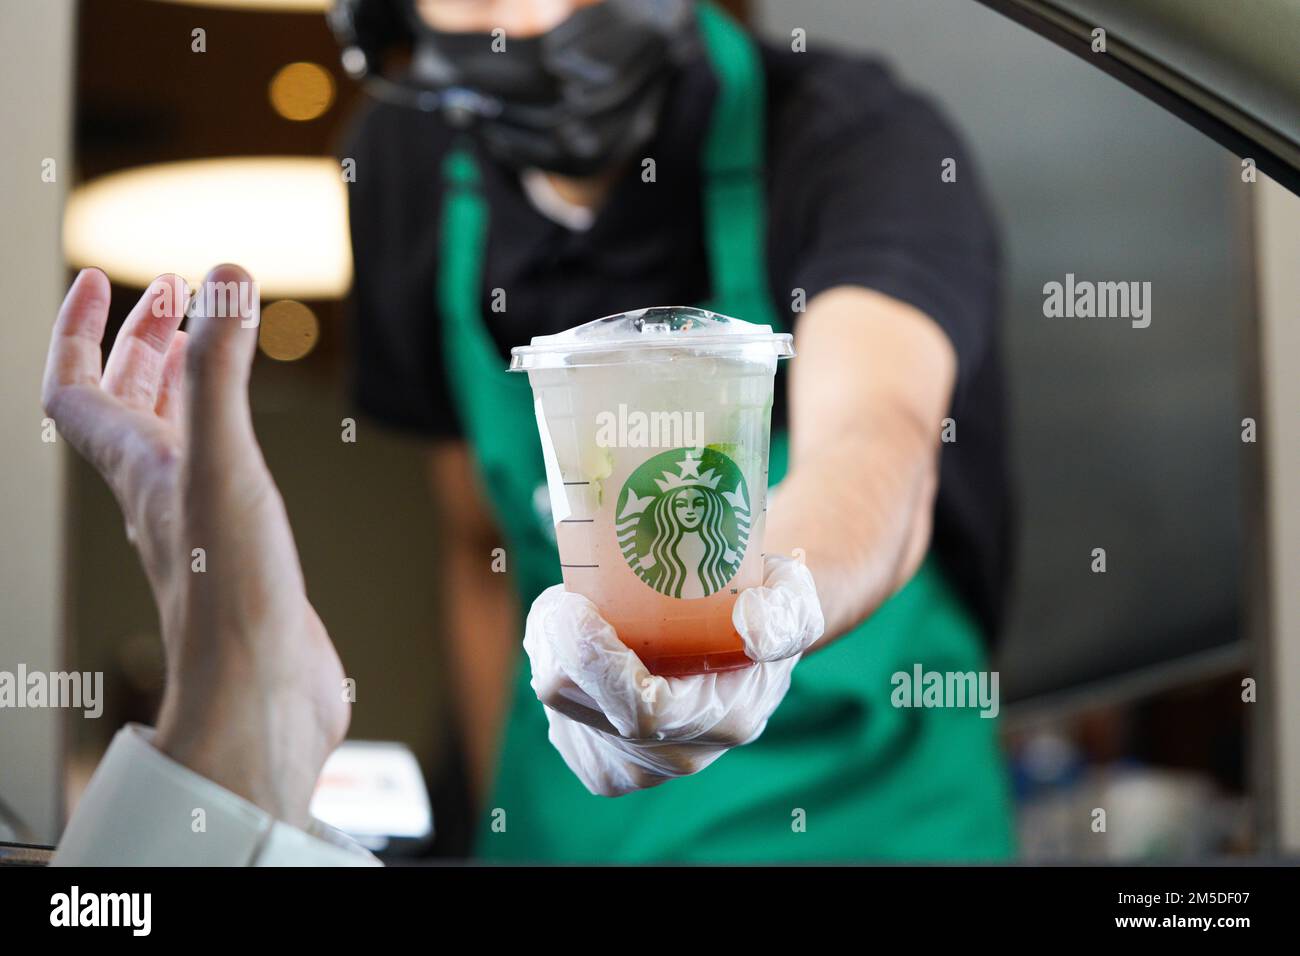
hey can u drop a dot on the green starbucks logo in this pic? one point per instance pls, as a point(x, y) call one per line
point(683, 521)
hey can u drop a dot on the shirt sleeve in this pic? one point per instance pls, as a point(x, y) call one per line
point(892, 202)
point(144, 809)
point(397, 371)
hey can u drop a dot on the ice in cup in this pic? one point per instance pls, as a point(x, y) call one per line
point(654, 427)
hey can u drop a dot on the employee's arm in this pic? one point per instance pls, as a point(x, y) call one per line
point(479, 609)
point(868, 391)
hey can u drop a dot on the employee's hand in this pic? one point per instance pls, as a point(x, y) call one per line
point(621, 728)
point(253, 697)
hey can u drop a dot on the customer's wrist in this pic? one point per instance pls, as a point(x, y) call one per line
point(236, 755)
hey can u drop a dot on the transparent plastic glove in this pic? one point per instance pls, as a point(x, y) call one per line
point(621, 728)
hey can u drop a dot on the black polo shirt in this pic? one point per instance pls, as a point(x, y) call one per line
point(855, 197)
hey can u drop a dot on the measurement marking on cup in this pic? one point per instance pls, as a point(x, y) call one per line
point(576, 520)
point(577, 482)
point(563, 565)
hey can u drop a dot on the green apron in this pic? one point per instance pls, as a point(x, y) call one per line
point(839, 774)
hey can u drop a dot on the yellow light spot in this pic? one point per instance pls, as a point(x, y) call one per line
point(288, 330)
point(301, 91)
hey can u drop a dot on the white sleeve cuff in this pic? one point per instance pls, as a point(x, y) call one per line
point(144, 809)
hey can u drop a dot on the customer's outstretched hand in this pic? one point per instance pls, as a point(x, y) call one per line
point(254, 695)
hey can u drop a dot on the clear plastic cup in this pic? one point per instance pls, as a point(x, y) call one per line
point(655, 427)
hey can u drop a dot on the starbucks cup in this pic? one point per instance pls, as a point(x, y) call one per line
point(655, 427)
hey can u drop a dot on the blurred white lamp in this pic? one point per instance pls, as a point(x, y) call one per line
point(284, 219)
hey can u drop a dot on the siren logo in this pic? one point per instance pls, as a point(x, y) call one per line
point(683, 521)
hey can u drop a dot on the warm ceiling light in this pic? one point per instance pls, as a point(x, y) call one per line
point(301, 91)
point(288, 330)
point(287, 6)
point(284, 219)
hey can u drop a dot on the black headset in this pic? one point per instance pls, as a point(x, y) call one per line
point(366, 30)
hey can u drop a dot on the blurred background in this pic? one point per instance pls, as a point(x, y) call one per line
point(1122, 689)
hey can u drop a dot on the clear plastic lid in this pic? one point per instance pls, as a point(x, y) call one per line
point(625, 338)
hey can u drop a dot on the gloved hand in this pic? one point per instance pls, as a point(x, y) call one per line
point(621, 728)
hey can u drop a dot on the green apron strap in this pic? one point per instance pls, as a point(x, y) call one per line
point(734, 202)
point(734, 199)
point(495, 407)
point(463, 245)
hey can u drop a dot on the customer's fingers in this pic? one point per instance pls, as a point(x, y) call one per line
point(171, 387)
point(92, 422)
point(135, 366)
point(219, 354)
point(74, 357)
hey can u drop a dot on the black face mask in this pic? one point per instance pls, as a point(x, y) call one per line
point(575, 100)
